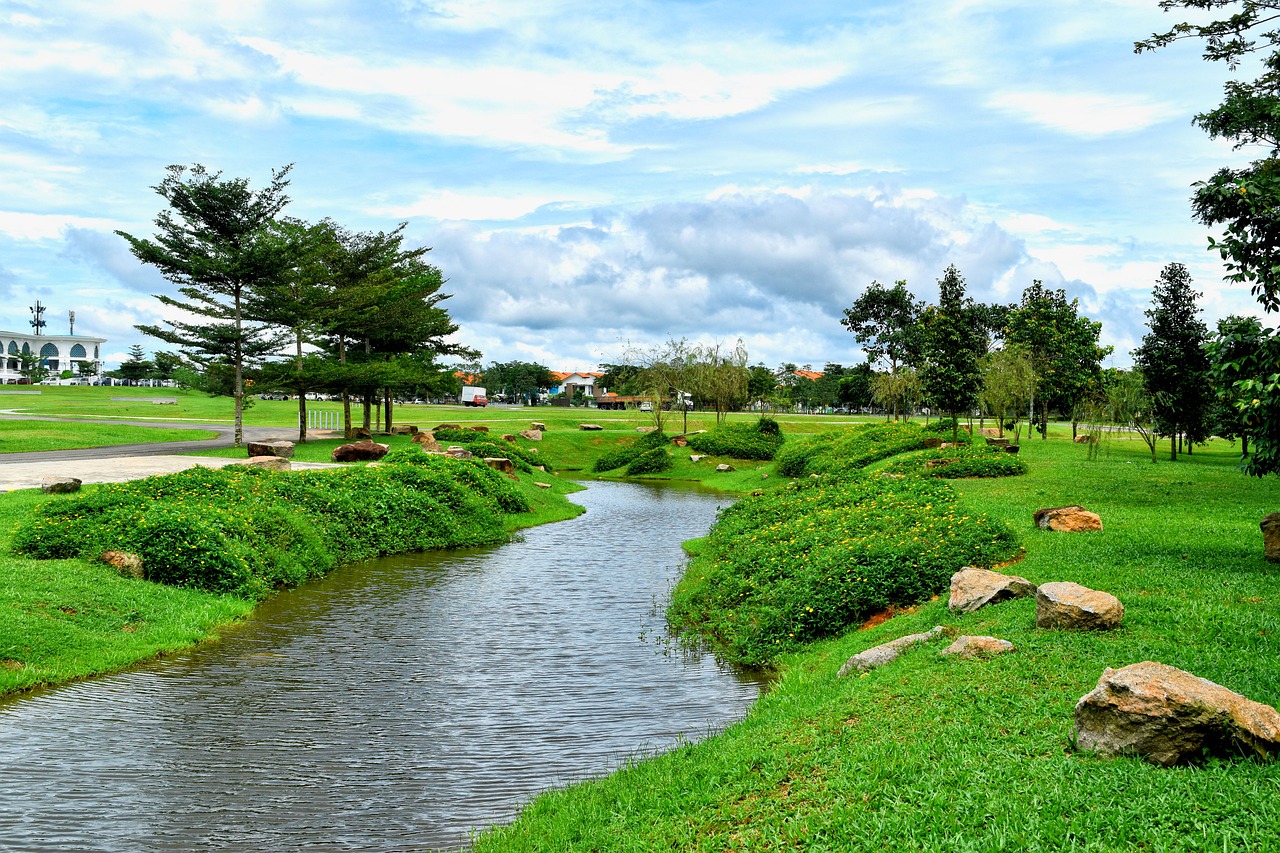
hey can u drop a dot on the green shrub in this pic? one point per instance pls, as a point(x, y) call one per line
point(653, 461)
point(627, 452)
point(957, 462)
point(844, 452)
point(247, 531)
point(808, 561)
point(760, 440)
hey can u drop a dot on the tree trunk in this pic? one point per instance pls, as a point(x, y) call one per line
point(387, 403)
point(302, 394)
point(1173, 448)
point(238, 392)
point(1244, 447)
point(346, 393)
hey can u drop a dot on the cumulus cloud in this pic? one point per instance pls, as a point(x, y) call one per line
point(108, 255)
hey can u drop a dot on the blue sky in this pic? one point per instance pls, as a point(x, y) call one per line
point(593, 176)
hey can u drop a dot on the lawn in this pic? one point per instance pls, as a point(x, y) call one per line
point(22, 436)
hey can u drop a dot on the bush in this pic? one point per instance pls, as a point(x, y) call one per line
point(653, 461)
point(957, 462)
point(843, 452)
point(627, 452)
point(247, 531)
point(809, 561)
point(760, 440)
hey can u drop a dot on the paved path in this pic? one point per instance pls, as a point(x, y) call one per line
point(130, 461)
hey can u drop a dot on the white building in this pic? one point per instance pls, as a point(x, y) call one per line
point(58, 353)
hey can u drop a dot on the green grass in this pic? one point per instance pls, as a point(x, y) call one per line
point(21, 436)
point(936, 754)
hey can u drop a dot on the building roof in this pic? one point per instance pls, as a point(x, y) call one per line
point(809, 374)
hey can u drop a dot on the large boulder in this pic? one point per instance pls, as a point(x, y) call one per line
point(125, 563)
point(1271, 537)
point(404, 429)
point(1169, 716)
point(499, 463)
point(458, 452)
point(359, 451)
point(590, 427)
point(968, 647)
point(973, 589)
point(60, 485)
point(1072, 607)
point(538, 425)
point(269, 463)
point(885, 652)
point(1067, 519)
point(532, 434)
point(362, 433)
point(282, 449)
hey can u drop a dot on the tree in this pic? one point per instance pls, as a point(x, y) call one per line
point(954, 342)
point(164, 364)
point(886, 322)
point(1008, 383)
point(519, 380)
point(1173, 362)
point(1128, 402)
point(761, 383)
point(899, 391)
point(32, 368)
point(1062, 346)
point(215, 242)
point(136, 367)
point(1238, 342)
point(718, 376)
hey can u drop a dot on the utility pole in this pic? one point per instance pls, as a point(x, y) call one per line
point(71, 316)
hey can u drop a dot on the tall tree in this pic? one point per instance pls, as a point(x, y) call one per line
point(1173, 362)
point(215, 242)
point(1062, 346)
point(1237, 344)
point(886, 322)
point(955, 340)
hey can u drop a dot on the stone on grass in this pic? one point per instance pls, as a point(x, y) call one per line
point(1169, 716)
point(991, 432)
point(532, 434)
point(540, 427)
point(458, 452)
point(590, 427)
point(885, 652)
point(1072, 607)
point(1067, 519)
point(997, 442)
point(967, 647)
point(282, 449)
point(60, 485)
point(478, 428)
point(404, 429)
point(269, 463)
point(448, 426)
point(125, 563)
point(724, 469)
point(1271, 537)
point(973, 588)
point(680, 441)
point(1013, 448)
point(362, 433)
point(931, 441)
point(359, 451)
point(696, 457)
point(542, 485)
point(1086, 438)
point(499, 463)
point(645, 430)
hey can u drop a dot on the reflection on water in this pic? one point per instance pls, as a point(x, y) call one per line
point(391, 706)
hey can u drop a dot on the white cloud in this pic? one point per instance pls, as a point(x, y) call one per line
point(45, 226)
point(1086, 114)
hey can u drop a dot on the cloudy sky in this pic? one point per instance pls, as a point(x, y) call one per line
point(592, 176)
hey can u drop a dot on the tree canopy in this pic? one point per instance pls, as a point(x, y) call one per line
point(954, 341)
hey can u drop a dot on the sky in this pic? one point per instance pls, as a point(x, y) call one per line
point(598, 177)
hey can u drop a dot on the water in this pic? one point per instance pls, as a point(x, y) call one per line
point(394, 705)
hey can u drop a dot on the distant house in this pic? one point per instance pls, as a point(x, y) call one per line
point(570, 383)
point(57, 353)
point(815, 375)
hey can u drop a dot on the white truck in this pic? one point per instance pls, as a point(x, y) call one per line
point(473, 395)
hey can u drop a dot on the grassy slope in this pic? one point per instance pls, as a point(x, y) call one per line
point(26, 436)
point(938, 754)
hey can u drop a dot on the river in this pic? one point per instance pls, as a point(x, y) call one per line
point(393, 705)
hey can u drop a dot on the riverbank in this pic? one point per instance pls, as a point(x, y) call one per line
point(939, 754)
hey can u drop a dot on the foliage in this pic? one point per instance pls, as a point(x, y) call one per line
point(841, 453)
point(808, 561)
point(652, 461)
point(1172, 358)
point(760, 440)
point(1008, 382)
point(886, 322)
point(953, 463)
point(900, 391)
point(517, 380)
point(627, 452)
point(1234, 346)
point(951, 429)
point(246, 531)
point(954, 341)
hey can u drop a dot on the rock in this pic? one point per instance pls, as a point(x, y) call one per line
point(724, 469)
point(425, 436)
point(427, 441)
point(404, 429)
point(449, 426)
point(359, 451)
point(967, 647)
point(270, 463)
point(696, 457)
point(590, 427)
point(931, 464)
point(1067, 519)
point(507, 436)
point(680, 441)
point(1072, 607)
point(1086, 438)
point(125, 563)
point(362, 433)
point(997, 442)
point(1271, 537)
point(282, 449)
point(646, 430)
point(973, 588)
point(478, 428)
point(532, 434)
point(458, 452)
point(499, 463)
point(991, 432)
point(60, 485)
point(540, 427)
point(1169, 716)
point(931, 441)
point(1013, 448)
point(885, 652)
point(542, 485)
